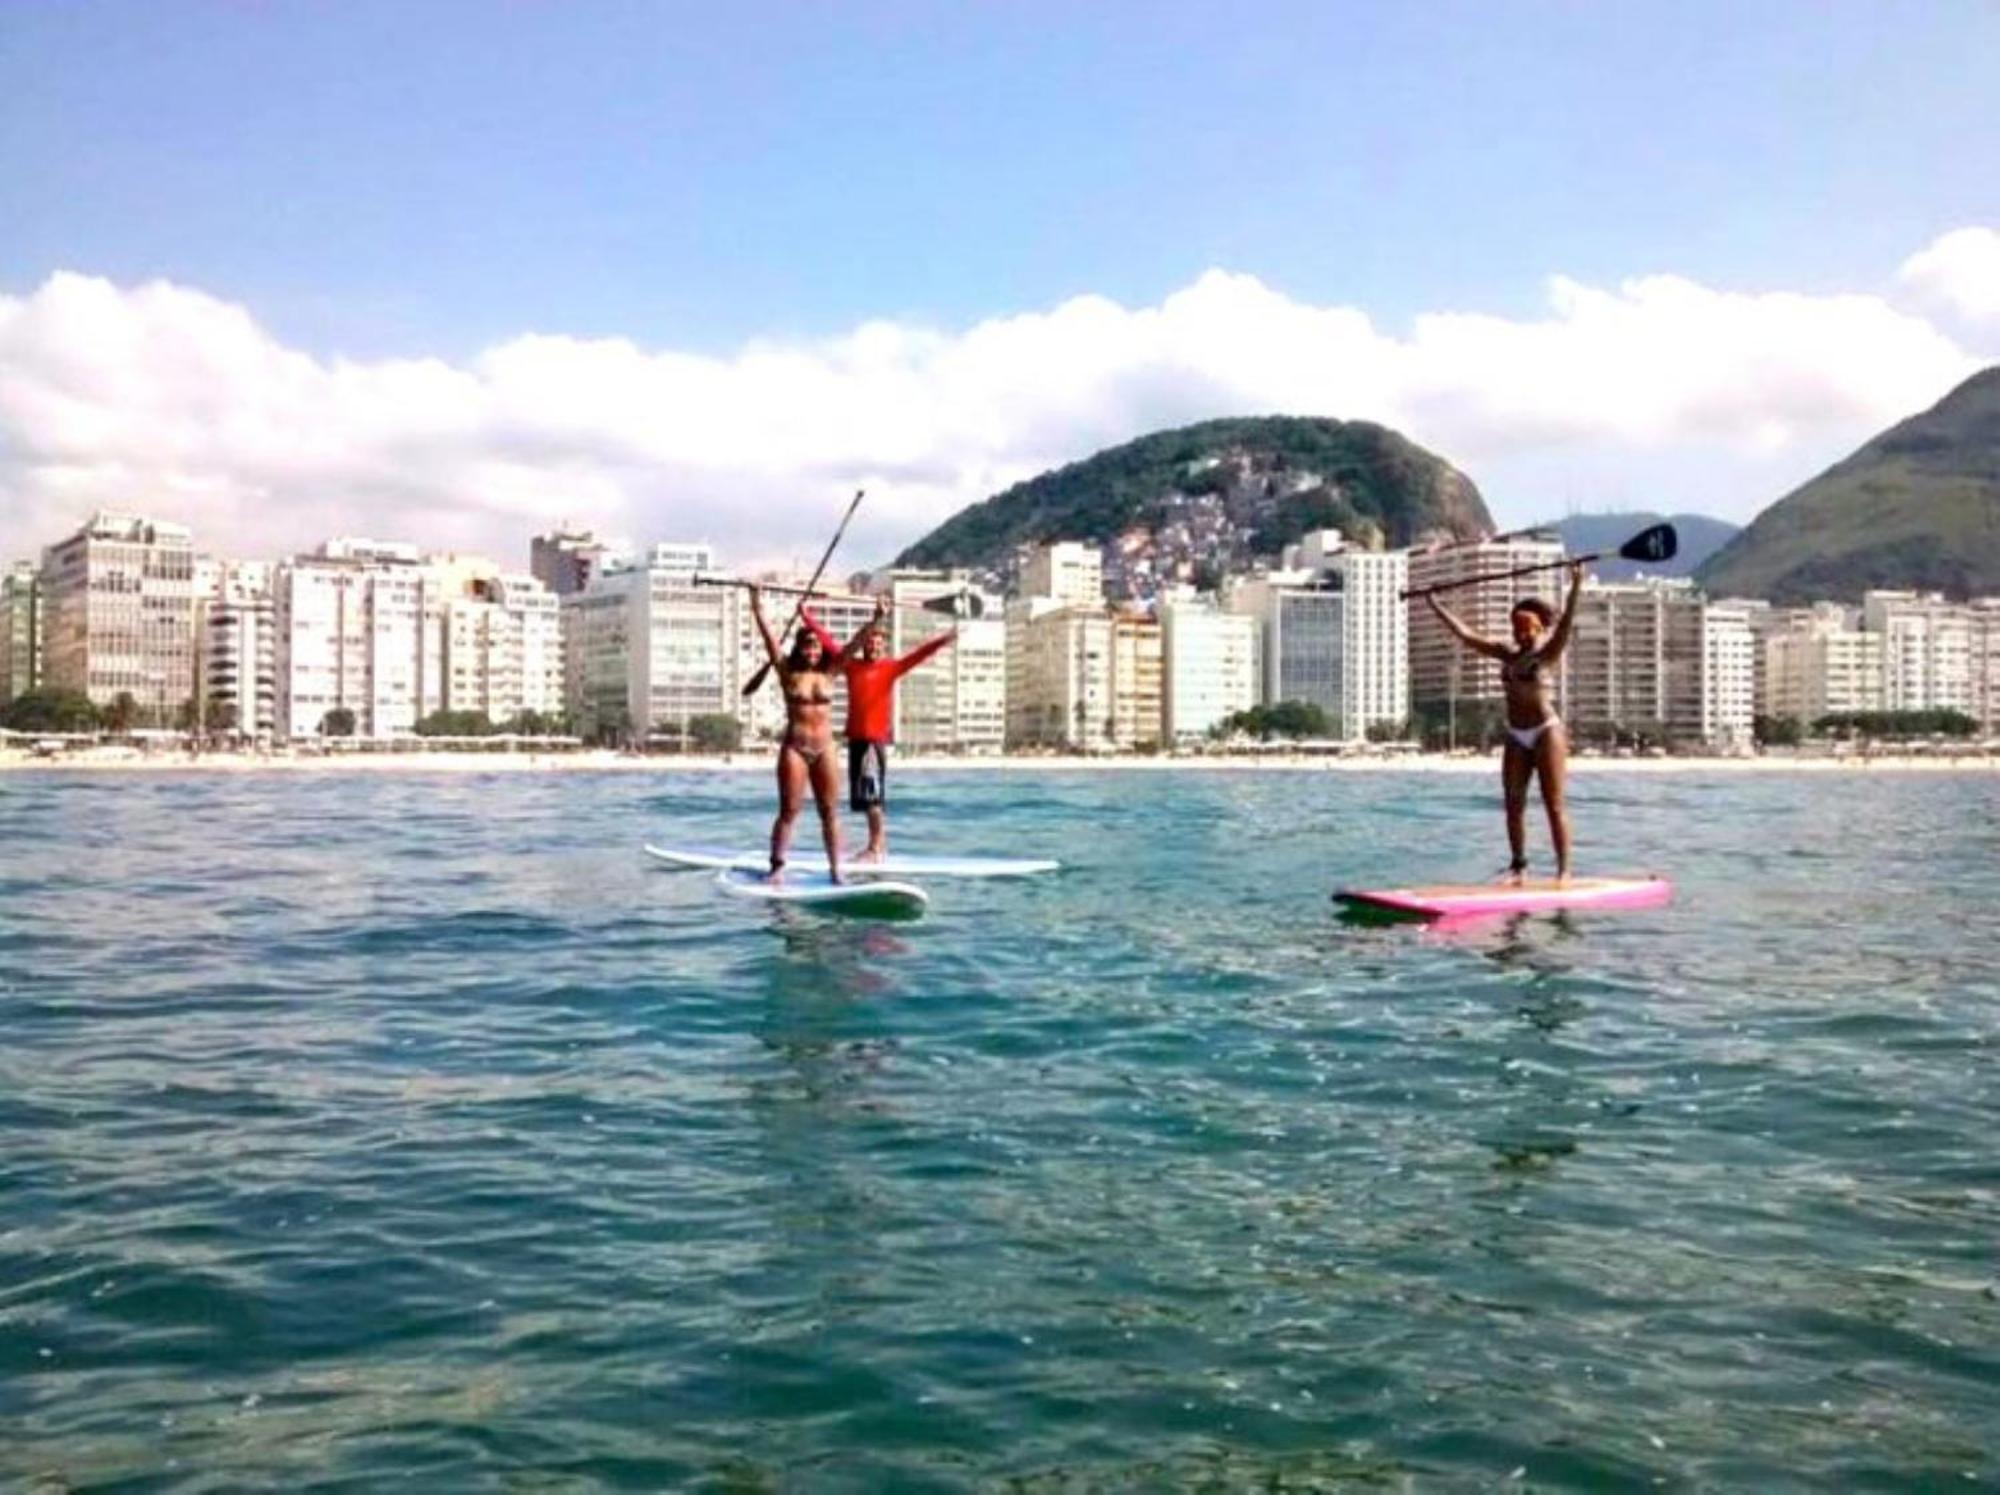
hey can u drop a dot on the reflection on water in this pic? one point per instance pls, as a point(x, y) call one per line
point(419, 1124)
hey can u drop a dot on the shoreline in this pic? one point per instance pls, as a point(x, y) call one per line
point(132, 760)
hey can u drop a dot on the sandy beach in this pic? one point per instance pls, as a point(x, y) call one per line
point(134, 760)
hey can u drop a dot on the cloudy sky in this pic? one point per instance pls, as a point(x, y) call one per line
point(451, 273)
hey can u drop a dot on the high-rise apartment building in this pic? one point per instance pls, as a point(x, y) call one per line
point(1817, 662)
point(117, 604)
point(1730, 646)
point(1444, 674)
point(20, 630)
point(648, 650)
point(1208, 667)
point(1635, 659)
point(1058, 675)
point(1135, 680)
point(239, 632)
point(957, 703)
point(1986, 664)
point(1067, 570)
point(1334, 631)
point(1927, 650)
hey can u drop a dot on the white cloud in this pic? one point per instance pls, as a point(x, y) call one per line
point(1959, 270)
point(168, 400)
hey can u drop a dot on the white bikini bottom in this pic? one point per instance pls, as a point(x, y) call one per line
point(1529, 738)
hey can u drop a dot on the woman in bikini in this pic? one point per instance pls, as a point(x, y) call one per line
point(1536, 746)
point(805, 755)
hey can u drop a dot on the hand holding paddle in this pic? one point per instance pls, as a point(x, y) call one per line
point(1659, 543)
point(757, 679)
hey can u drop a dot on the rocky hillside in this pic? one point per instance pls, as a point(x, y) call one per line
point(1919, 506)
point(1188, 503)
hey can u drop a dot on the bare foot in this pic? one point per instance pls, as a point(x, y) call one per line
point(870, 854)
point(1512, 877)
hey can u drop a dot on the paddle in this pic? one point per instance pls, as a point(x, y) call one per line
point(960, 604)
point(1651, 545)
point(757, 677)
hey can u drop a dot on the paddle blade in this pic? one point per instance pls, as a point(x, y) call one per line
point(1652, 545)
point(958, 605)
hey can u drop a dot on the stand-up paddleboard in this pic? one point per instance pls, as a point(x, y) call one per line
point(1470, 900)
point(881, 899)
point(894, 865)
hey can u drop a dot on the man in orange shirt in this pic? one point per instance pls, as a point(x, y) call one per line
point(871, 713)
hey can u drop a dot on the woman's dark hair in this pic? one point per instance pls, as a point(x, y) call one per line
point(796, 660)
point(1538, 608)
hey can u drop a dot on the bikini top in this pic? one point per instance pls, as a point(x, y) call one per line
point(822, 696)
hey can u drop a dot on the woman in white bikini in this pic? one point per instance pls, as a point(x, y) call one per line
point(1536, 747)
point(805, 754)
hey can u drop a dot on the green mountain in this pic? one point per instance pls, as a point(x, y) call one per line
point(1188, 501)
point(1919, 506)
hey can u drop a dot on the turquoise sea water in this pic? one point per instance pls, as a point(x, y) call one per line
point(369, 1129)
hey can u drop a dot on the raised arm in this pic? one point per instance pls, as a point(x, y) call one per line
point(834, 653)
point(771, 650)
point(924, 651)
point(1491, 648)
point(1559, 639)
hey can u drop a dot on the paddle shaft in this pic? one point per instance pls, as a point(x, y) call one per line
point(1469, 581)
point(757, 678)
point(963, 594)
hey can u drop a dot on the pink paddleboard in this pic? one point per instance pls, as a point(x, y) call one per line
point(1464, 900)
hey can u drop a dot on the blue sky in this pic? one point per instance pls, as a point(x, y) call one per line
point(382, 182)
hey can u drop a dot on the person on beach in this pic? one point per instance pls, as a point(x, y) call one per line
point(805, 753)
point(1536, 746)
point(871, 713)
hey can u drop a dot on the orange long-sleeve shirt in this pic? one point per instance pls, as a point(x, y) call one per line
point(871, 683)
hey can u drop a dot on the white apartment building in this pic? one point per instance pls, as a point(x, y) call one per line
point(647, 649)
point(1058, 675)
point(1818, 663)
point(1443, 672)
point(118, 615)
point(503, 651)
point(359, 630)
point(1730, 646)
point(956, 703)
point(1927, 650)
point(1335, 631)
point(239, 632)
point(1986, 664)
point(20, 630)
point(1208, 668)
point(1067, 570)
point(1135, 680)
point(1635, 659)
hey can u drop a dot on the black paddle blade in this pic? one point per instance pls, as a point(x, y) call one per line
point(958, 605)
point(1656, 544)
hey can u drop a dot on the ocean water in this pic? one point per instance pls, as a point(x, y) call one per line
point(414, 1130)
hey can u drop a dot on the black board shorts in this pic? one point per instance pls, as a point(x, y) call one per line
point(867, 774)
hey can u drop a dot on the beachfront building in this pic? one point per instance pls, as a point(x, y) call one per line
point(20, 630)
point(503, 651)
point(1208, 668)
point(1066, 570)
point(1058, 675)
point(1135, 680)
point(238, 627)
point(1927, 650)
point(1986, 664)
point(358, 637)
point(1449, 684)
point(1635, 661)
point(118, 615)
point(957, 702)
point(1818, 662)
point(1730, 646)
point(1334, 631)
point(647, 650)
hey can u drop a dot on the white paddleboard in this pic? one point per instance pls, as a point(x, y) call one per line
point(893, 865)
point(886, 899)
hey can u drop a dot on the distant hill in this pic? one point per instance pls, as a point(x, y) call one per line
point(1184, 504)
point(1700, 538)
point(1919, 506)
